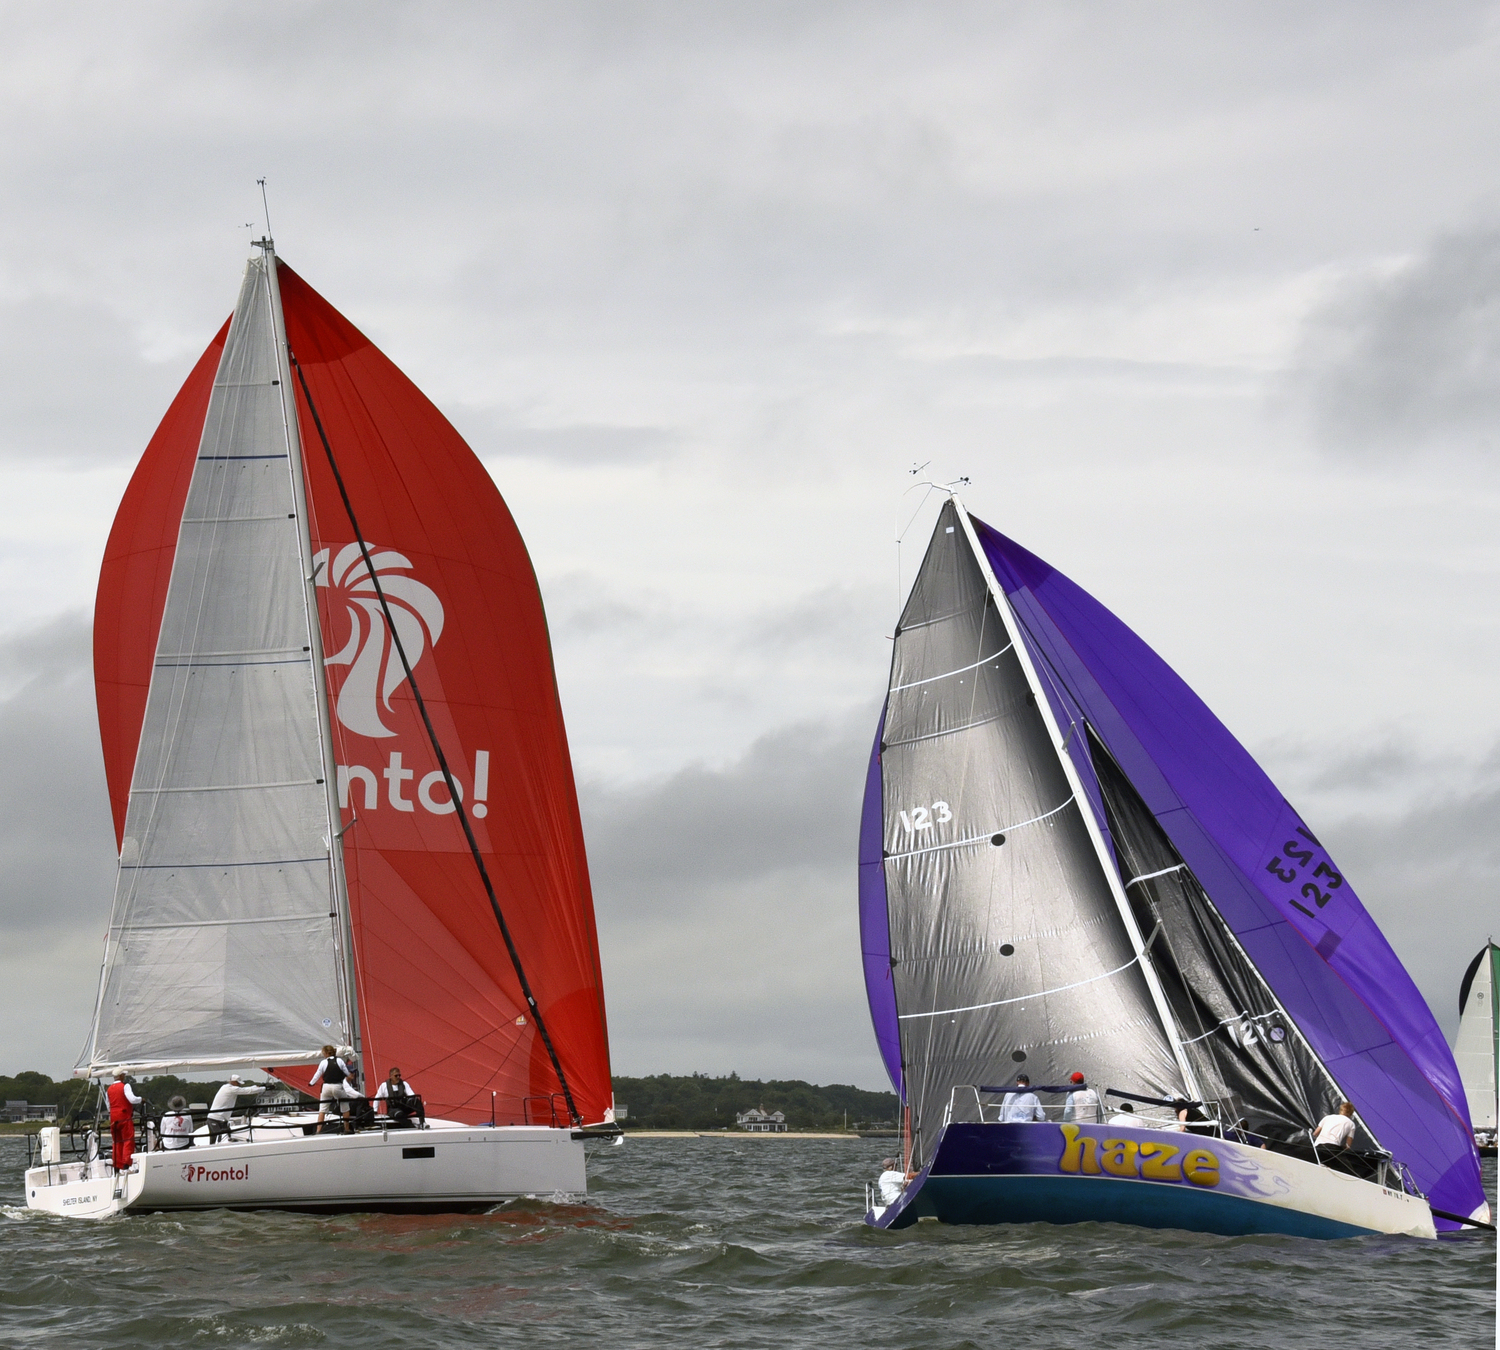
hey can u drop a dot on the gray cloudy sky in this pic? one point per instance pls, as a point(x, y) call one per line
point(1205, 299)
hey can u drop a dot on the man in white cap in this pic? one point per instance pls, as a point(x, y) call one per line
point(225, 1100)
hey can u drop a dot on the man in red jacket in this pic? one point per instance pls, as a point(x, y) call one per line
point(122, 1104)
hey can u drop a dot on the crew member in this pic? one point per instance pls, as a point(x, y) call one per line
point(122, 1104)
point(1083, 1105)
point(400, 1099)
point(362, 1108)
point(1336, 1131)
point(225, 1100)
point(331, 1072)
point(1022, 1104)
point(176, 1125)
point(1126, 1116)
point(1187, 1115)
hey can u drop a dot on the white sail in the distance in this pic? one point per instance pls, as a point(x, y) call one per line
point(1475, 1050)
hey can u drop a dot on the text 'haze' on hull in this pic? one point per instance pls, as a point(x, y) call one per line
point(341, 785)
point(1069, 866)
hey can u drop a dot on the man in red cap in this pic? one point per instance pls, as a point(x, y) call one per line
point(122, 1104)
point(1083, 1103)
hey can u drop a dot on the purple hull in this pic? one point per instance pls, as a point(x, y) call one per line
point(1048, 1173)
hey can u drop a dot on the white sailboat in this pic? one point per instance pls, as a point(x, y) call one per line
point(343, 797)
point(1477, 1049)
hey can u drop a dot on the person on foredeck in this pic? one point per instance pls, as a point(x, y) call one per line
point(1022, 1104)
point(225, 1100)
point(400, 1100)
point(1336, 1131)
point(1188, 1115)
point(331, 1072)
point(1083, 1103)
point(1126, 1116)
point(176, 1125)
point(122, 1103)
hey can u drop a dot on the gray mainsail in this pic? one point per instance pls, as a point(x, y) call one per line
point(1008, 945)
point(225, 940)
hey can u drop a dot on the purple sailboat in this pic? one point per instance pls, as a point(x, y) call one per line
point(1070, 869)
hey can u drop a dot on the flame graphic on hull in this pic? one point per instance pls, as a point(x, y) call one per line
point(374, 667)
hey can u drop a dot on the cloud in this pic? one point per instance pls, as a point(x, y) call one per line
point(1430, 875)
point(826, 622)
point(791, 801)
point(700, 283)
point(727, 908)
point(1410, 360)
point(77, 388)
point(577, 446)
point(56, 840)
point(56, 844)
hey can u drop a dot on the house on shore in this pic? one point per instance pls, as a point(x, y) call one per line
point(758, 1120)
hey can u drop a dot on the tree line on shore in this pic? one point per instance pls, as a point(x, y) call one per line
point(663, 1102)
point(74, 1097)
point(700, 1102)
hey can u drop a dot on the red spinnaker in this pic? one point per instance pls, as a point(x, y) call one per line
point(437, 993)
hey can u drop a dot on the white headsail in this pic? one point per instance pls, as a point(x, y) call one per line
point(1478, 1044)
point(225, 942)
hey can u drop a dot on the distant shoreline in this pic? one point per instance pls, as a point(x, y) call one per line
point(756, 1134)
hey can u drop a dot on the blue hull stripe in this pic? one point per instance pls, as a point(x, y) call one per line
point(1056, 1199)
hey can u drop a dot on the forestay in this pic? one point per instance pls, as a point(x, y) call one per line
point(223, 945)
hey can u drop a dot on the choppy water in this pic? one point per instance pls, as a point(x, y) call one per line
point(743, 1243)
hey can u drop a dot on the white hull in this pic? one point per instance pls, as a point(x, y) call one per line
point(444, 1167)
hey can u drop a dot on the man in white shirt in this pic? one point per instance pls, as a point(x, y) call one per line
point(1022, 1104)
point(1336, 1131)
point(1083, 1105)
point(1126, 1116)
point(176, 1125)
point(225, 1100)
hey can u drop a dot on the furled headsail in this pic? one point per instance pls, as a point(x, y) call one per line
point(432, 987)
point(1273, 993)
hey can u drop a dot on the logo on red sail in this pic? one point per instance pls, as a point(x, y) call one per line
point(375, 670)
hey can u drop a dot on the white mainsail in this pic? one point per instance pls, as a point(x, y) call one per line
point(225, 943)
point(1478, 1042)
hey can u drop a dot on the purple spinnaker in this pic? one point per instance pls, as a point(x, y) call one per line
point(1299, 921)
point(874, 922)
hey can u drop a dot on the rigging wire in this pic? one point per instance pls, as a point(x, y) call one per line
point(442, 759)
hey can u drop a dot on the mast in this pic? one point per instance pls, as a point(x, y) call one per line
point(344, 929)
point(1111, 876)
